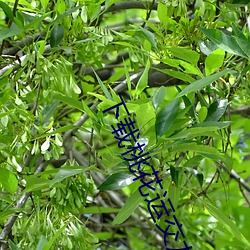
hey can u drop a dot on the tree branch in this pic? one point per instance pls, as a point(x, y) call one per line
point(16, 63)
point(236, 177)
point(21, 44)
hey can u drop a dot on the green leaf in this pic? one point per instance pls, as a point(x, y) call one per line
point(207, 46)
point(244, 45)
point(194, 161)
point(162, 12)
point(219, 125)
point(198, 175)
point(188, 105)
point(129, 207)
point(204, 150)
point(9, 32)
point(103, 98)
point(245, 2)
point(193, 132)
point(189, 68)
point(174, 172)
point(202, 114)
point(158, 97)
point(214, 61)
point(104, 89)
point(166, 117)
point(186, 54)
point(70, 101)
point(13, 246)
point(147, 35)
point(44, 3)
point(68, 12)
point(223, 41)
point(41, 243)
point(34, 183)
point(99, 210)
point(49, 244)
point(237, 32)
point(174, 194)
point(117, 181)
point(8, 180)
point(49, 110)
point(241, 40)
point(66, 172)
point(56, 35)
point(36, 21)
point(216, 110)
point(227, 223)
point(177, 74)
point(143, 81)
point(9, 211)
point(7, 10)
point(197, 85)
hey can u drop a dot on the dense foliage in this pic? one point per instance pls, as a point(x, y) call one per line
point(182, 68)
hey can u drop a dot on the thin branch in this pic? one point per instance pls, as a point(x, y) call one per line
point(16, 63)
point(148, 14)
point(204, 192)
point(244, 195)
point(21, 44)
point(235, 176)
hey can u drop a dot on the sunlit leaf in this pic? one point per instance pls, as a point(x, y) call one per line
point(223, 41)
point(143, 81)
point(8, 180)
point(158, 97)
point(129, 207)
point(214, 61)
point(117, 181)
point(197, 85)
point(185, 54)
point(66, 172)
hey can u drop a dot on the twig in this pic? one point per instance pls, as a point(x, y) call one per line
point(21, 44)
point(148, 14)
point(204, 192)
point(16, 63)
point(244, 195)
point(235, 176)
